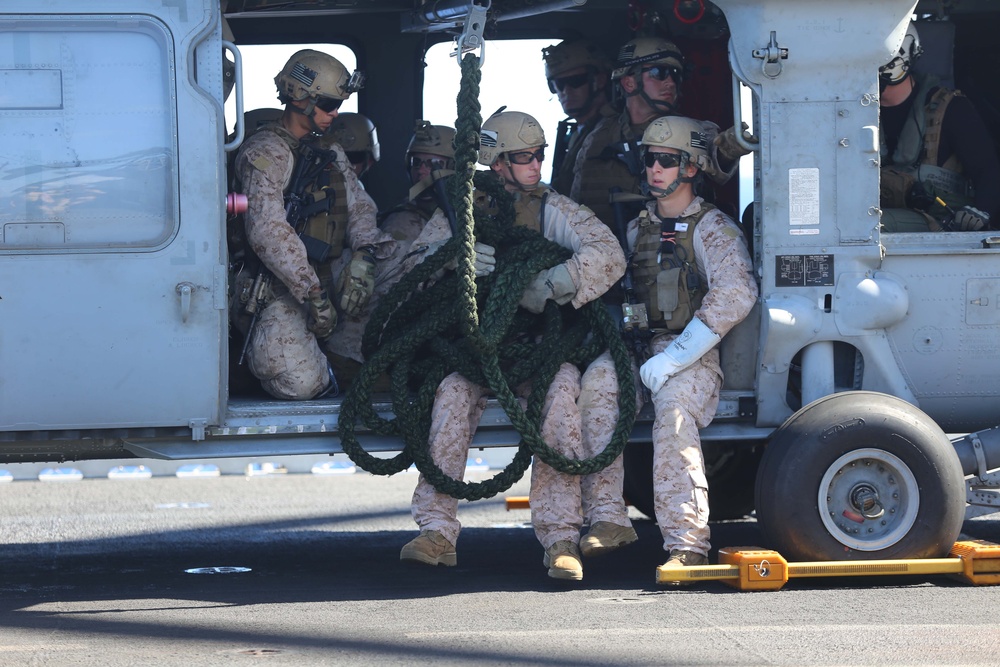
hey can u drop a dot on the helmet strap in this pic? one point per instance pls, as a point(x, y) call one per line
point(310, 113)
point(660, 193)
point(588, 104)
point(662, 107)
point(513, 179)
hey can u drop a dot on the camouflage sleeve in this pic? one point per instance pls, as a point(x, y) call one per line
point(436, 231)
point(264, 166)
point(598, 261)
point(722, 253)
point(404, 227)
point(362, 227)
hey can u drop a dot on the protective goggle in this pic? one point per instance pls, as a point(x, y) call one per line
point(434, 163)
point(661, 72)
point(525, 157)
point(328, 104)
point(563, 82)
point(357, 157)
point(665, 160)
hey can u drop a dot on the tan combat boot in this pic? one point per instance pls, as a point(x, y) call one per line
point(604, 537)
point(563, 561)
point(429, 548)
point(684, 558)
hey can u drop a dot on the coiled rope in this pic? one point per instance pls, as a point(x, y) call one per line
point(419, 334)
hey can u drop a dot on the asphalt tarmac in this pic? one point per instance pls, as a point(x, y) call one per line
point(298, 568)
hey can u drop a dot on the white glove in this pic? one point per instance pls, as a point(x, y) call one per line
point(689, 347)
point(554, 283)
point(485, 261)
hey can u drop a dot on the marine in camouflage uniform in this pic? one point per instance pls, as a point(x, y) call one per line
point(568, 425)
point(649, 74)
point(578, 73)
point(694, 275)
point(430, 155)
point(284, 353)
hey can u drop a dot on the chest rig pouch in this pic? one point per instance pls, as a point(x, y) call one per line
point(316, 204)
point(668, 283)
point(529, 209)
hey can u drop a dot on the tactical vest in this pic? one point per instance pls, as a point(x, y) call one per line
point(669, 285)
point(602, 169)
point(565, 172)
point(916, 155)
point(326, 193)
point(529, 209)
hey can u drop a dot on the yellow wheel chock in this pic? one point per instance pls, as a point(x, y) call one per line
point(756, 569)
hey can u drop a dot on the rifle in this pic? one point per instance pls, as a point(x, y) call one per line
point(564, 132)
point(635, 319)
point(298, 209)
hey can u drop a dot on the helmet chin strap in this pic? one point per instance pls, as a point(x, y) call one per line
point(588, 104)
point(660, 193)
point(884, 83)
point(513, 179)
point(662, 107)
point(310, 113)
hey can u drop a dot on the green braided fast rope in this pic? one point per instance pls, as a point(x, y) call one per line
point(420, 333)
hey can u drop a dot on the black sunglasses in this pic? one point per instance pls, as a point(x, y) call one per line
point(661, 72)
point(434, 163)
point(328, 104)
point(525, 157)
point(665, 160)
point(574, 81)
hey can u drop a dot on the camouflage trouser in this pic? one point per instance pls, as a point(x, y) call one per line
point(458, 405)
point(587, 410)
point(284, 354)
point(684, 404)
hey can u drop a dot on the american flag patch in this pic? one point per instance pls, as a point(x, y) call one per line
point(699, 140)
point(303, 74)
point(627, 52)
point(488, 138)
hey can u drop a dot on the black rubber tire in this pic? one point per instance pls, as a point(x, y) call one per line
point(858, 445)
point(731, 469)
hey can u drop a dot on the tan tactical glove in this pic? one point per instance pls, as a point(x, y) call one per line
point(554, 283)
point(322, 316)
point(356, 283)
point(969, 219)
point(727, 145)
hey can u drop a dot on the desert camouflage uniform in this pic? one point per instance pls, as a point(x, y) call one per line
point(283, 353)
point(404, 225)
point(598, 262)
point(598, 169)
point(557, 498)
point(689, 399)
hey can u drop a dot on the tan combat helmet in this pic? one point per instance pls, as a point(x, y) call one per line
point(355, 133)
point(572, 54)
point(312, 74)
point(508, 131)
point(432, 139)
point(692, 138)
point(643, 51)
point(689, 136)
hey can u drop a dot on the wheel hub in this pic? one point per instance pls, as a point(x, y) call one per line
point(864, 498)
point(868, 499)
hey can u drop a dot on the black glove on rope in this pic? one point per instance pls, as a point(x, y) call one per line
point(420, 336)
